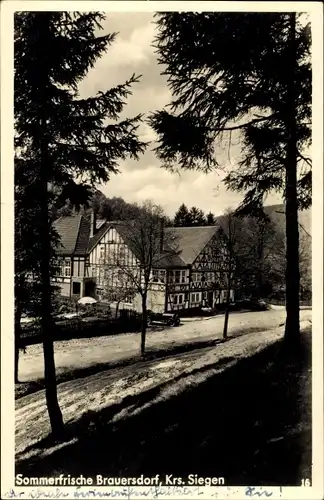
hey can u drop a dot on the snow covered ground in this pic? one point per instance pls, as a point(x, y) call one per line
point(171, 375)
point(82, 353)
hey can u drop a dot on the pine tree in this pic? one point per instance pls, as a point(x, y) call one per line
point(182, 217)
point(66, 143)
point(247, 73)
point(210, 219)
point(197, 216)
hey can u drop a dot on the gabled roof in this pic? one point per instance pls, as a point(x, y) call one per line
point(92, 242)
point(190, 241)
point(182, 245)
point(102, 228)
point(68, 229)
point(81, 245)
point(168, 260)
point(74, 232)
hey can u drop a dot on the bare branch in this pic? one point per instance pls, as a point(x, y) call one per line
point(243, 125)
point(305, 159)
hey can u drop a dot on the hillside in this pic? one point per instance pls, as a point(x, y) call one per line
point(304, 217)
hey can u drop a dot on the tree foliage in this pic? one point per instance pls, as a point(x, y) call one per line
point(246, 72)
point(64, 143)
point(193, 216)
point(53, 53)
point(223, 79)
point(182, 216)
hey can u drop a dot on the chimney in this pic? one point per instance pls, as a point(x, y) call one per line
point(93, 222)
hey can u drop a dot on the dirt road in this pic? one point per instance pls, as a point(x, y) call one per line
point(82, 353)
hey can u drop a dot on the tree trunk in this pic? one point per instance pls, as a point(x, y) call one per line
point(18, 312)
point(17, 341)
point(117, 309)
point(260, 255)
point(47, 324)
point(228, 297)
point(227, 310)
point(292, 329)
point(144, 322)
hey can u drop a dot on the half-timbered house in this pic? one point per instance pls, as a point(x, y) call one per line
point(91, 252)
point(199, 275)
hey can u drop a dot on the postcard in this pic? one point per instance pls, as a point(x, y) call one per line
point(162, 249)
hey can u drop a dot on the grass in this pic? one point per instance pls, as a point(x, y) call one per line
point(250, 424)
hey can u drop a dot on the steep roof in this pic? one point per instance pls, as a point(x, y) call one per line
point(92, 242)
point(68, 229)
point(190, 241)
point(182, 245)
point(81, 245)
point(74, 232)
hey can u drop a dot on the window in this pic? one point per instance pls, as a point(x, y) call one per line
point(67, 267)
point(162, 276)
point(122, 254)
point(170, 277)
point(183, 276)
point(56, 268)
point(76, 266)
point(121, 276)
point(129, 299)
point(180, 299)
point(76, 288)
point(158, 275)
point(177, 276)
point(175, 299)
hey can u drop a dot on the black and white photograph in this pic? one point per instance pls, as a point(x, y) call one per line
point(160, 332)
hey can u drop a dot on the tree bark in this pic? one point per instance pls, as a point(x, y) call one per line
point(117, 309)
point(18, 311)
point(54, 412)
point(260, 255)
point(17, 341)
point(227, 311)
point(228, 297)
point(144, 321)
point(292, 328)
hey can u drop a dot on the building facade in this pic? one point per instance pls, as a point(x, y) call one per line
point(202, 278)
point(95, 259)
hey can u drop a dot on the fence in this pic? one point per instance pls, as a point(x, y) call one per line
point(82, 328)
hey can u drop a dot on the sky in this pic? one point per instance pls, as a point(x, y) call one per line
point(132, 52)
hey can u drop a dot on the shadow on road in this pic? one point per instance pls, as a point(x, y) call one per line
point(250, 424)
point(153, 353)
